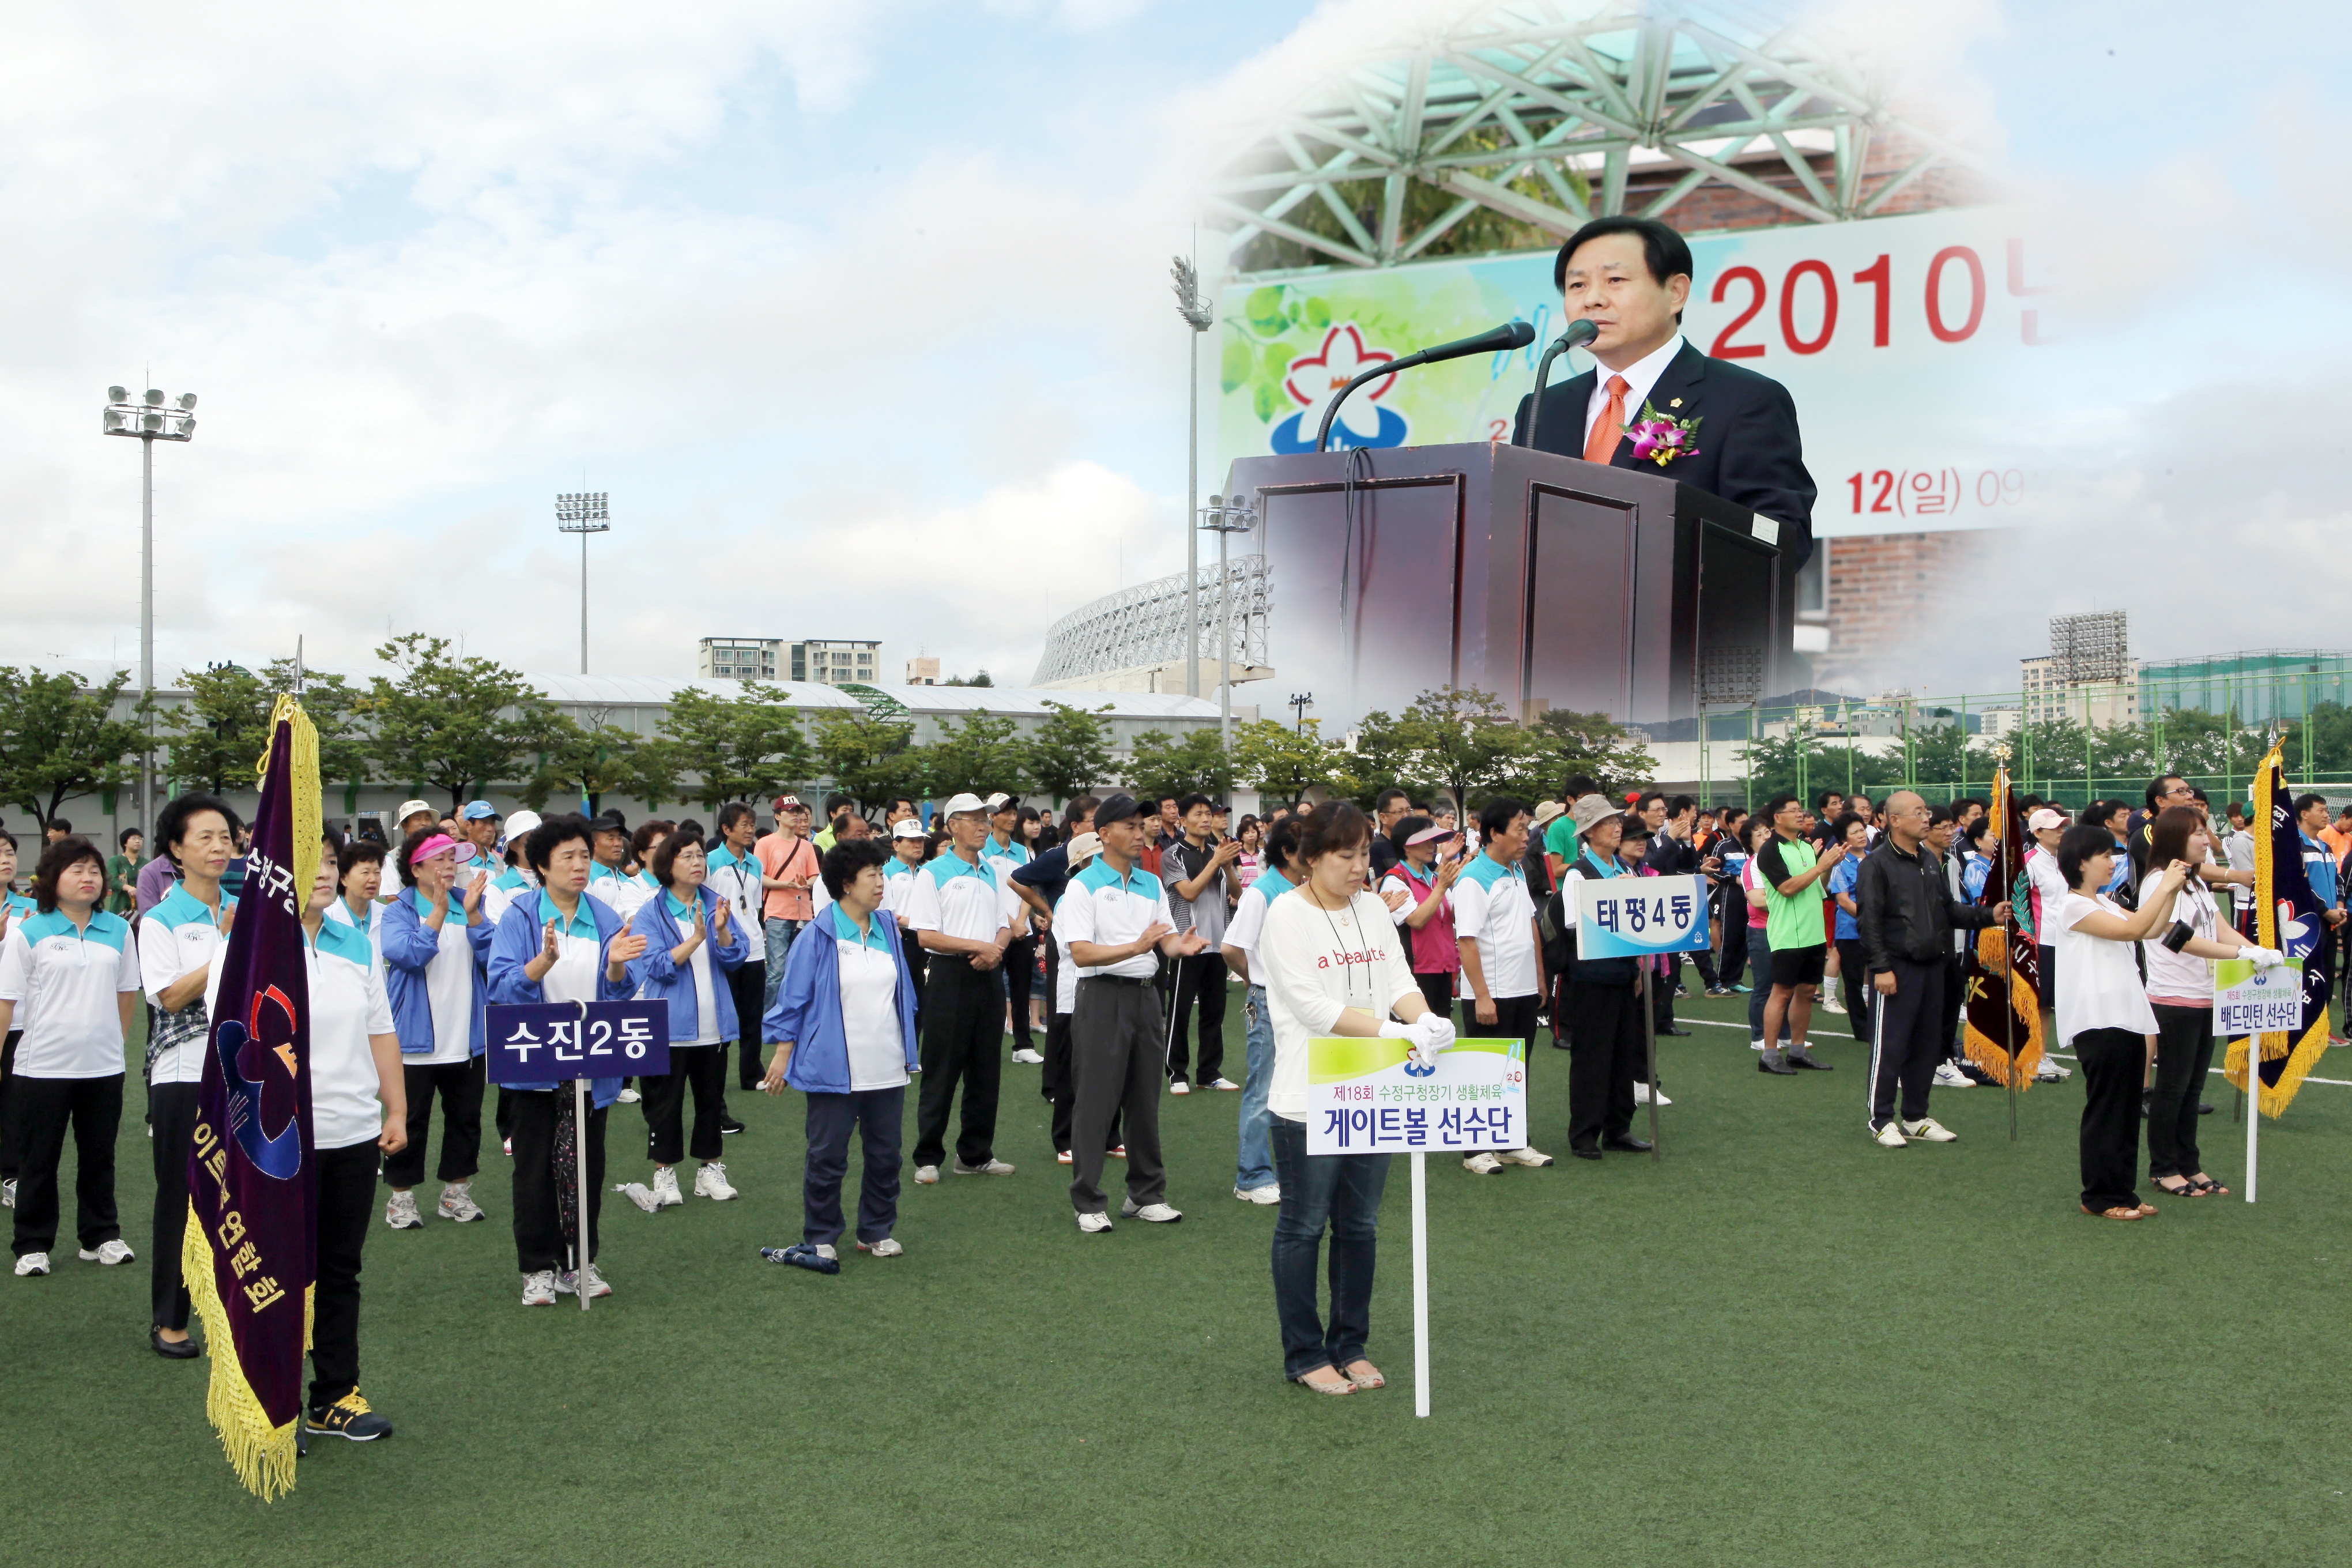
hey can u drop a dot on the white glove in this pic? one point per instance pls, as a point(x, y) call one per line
point(1392, 1030)
point(1432, 1034)
point(2264, 957)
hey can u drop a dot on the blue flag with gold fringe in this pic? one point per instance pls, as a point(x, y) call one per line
point(2287, 916)
point(250, 1253)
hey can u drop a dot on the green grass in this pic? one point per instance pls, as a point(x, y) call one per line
point(1782, 1345)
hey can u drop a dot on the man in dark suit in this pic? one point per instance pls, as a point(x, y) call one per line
point(1632, 277)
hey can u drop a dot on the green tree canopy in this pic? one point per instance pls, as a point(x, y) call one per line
point(57, 740)
point(985, 753)
point(216, 739)
point(1284, 762)
point(1597, 744)
point(1159, 763)
point(455, 725)
point(1070, 752)
point(870, 758)
point(746, 747)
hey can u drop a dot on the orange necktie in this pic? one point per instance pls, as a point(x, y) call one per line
point(1602, 443)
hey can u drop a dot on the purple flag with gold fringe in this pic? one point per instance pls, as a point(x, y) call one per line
point(2287, 915)
point(250, 1253)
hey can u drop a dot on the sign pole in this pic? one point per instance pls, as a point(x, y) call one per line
point(1650, 1038)
point(1419, 1283)
point(2254, 1107)
point(579, 1183)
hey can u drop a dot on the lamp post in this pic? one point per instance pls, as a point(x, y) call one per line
point(1198, 315)
point(1302, 700)
point(582, 513)
point(1222, 517)
point(149, 420)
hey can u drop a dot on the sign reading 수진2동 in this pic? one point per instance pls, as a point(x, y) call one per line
point(1369, 1097)
point(1632, 916)
point(544, 1042)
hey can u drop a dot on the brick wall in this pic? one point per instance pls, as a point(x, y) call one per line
point(1891, 593)
point(1712, 207)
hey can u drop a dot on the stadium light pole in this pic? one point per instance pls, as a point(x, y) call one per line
point(1198, 315)
point(149, 420)
point(1226, 517)
point(582, 513)
point(1302, 700)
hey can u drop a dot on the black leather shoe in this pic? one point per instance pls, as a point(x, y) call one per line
point(2204, 1109)
point(1674, 1029)
point(1628, 1144)
point(1774, 1063)
point(1807, 1064)
point(1584, 1153)
point(186, 1350)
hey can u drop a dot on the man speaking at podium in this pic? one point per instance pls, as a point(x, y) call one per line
point(1631, 276)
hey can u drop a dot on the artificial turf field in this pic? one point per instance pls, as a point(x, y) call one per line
point(1782, 1345)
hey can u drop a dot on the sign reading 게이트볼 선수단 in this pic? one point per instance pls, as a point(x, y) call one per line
point(1369, 1097)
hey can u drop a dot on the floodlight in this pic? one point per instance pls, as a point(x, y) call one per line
point(116, 394)
point(187, 400)
point(154, 397)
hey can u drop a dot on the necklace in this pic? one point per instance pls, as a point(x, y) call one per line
point(1340, 944)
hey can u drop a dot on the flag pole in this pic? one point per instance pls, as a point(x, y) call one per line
point(1419, 1283)
point(1650, 1038)
point(579, 1183)
point(2253, 1107)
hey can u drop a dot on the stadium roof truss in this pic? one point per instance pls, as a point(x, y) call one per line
point(1602, 106)
point(1144, 624)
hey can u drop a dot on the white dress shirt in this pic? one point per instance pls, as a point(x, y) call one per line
point(1640, 377)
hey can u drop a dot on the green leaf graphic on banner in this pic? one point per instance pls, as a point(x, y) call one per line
point(1234, 366)
point(1265, 309)
point(1318, 314)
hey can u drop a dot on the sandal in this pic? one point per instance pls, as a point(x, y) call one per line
point(2111, 1213)
point(1369, 1378)
point(2207, 1187)
point(2146, 1210)
point(2186, 1189)
point(1345, 1385)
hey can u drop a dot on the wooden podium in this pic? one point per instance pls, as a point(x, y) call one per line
point(1551, 582)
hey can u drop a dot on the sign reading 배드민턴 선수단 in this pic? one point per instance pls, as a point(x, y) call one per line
point(2249, 1001)
point(1369, 1097)
point(1634, 916)
point(548, 1042)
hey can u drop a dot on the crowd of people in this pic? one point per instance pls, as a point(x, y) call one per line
point(850, 962)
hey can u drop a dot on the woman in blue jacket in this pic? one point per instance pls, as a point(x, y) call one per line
point(559, 944)
point(435, 950)
point(843, 1029)
point(692, 944)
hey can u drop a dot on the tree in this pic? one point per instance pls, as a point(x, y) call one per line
point(1464, 738)
point(455, 725)
point(980, 679)
point(1183, 764)
point(1597, 744)
point(1284, 764)
point(57, 740)
point(216, 741)
point(1385, 756)
point(585, 762)
point(1070, 750)
point(869, 758)
point(741, 748)
point(982, 754)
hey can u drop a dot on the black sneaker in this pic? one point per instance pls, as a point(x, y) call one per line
point(347, 1417)
point(728, 1124)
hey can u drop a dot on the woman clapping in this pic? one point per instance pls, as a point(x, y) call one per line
point(693, 943)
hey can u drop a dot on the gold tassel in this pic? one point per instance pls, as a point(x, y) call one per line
point(307, 809)
point(261, 1454)
point(1992, 1055)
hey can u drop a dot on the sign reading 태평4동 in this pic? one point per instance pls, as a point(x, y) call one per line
point(1630, 917)
point(1369, 1097)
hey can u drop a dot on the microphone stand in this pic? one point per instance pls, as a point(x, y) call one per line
point(1568, 340)
point(1508, 336)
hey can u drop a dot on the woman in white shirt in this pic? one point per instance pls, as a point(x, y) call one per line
point(2103, 1013)
point(70, 968)
point(2047, 827)
point(843, 1030)
point(1332, 963)
point(693, 945)
point(2190, 937)
point(435, 945)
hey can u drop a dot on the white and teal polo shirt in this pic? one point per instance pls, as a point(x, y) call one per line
point(65, 980)
point(1102, 905)
point(1491, 903)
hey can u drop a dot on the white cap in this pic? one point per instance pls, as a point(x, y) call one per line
point(409, 808)
point(1084, 846)
point(908, 828)
point(998, 802)
point(959, 804)
point(521, 823)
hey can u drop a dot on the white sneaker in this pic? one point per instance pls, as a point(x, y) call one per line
point(1535, 1159)
point(1090, 1224)
point(457, 1203)
point(1269, 1194)
point(628, 1097)
point(1179, 1086)
point(1154, 1214)
point(39, 1263)
point(505, 1147)
point(108, 1253)
point(1226, 1083)
point(825, 1249)
point(1949, 1076)
point(1890, 1136)
point(1833, 1005)
point(665, 1187)
point(538, 1289)
point(1642, 1093)
point(1483, 1163)
point(1029, 1058)
point(1929, 1130)
point(994, 1168)
point(568, 1282)
point(638, 1193)
point(926, 1174)
point(1756, 1045)
point(710, 1182)
point(8, 1194)
point(2052, 1071)
point(400, 1212)
point(887, 1248)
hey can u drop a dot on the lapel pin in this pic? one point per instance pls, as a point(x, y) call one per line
point(1674, 402)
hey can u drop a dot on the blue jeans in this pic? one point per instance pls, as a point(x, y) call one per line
point(1340, 1192)
point(780, 934)
point(1759, 960)
point(1256, 1166)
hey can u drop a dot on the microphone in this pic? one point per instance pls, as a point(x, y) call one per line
point(1579, 334)
point(1509, 335)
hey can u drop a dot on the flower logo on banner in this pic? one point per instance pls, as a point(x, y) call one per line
point(1314, 379)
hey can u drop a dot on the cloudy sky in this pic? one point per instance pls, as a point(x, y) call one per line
point(859, 310)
